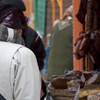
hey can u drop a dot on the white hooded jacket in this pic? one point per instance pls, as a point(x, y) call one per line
point(19, 73)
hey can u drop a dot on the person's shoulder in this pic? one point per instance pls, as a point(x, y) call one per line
point(31, 31)
point(26, 51)
point(10, 45)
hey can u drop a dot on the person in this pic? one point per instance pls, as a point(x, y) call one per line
point(19, 74)
point(31, 38)
point(47, 48)
point(61, 53)
point(34, 43)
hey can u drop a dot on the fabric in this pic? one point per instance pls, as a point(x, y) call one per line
point(8, 35)
point(19, 73)
point(82, 11)
point(89, 15)
point(34, 43)
point(1, 97)
point(45, 68)
point(95, 15)
point(61, 53)
point(18, 3)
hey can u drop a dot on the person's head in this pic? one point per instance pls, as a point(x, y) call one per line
point(68, 12)
point(12, 17)
point(9, 16)
point(23, 20)
point(9, 35)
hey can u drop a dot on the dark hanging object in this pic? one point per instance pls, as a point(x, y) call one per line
point(89, 40)
point(82, 11)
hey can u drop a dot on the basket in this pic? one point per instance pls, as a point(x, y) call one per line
point(60, 94)
point(64, 94)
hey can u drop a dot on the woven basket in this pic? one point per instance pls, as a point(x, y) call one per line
point(64, 94)
point(63, 98)
point(60, 93)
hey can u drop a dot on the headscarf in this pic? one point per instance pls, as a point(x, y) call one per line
point(68, 12)
point(9, 16)
point(18, 3)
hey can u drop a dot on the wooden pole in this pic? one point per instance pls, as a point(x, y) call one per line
point(60, 4)
point(77, 27)
point(53, 10)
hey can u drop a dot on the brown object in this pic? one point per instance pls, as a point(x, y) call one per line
point(74, 75)
point(82, 84)
point(76, 49)
point(82, 45)
point(59, 83)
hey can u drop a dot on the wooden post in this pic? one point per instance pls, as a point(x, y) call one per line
point(60, 4)
point(77, 27)
point(53, 10)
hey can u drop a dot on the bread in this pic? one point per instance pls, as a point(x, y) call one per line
point(85, 93)
point(60, 83)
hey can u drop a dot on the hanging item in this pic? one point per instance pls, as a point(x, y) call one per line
point(89, 39)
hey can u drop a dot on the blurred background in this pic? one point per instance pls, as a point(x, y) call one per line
point(43, 13)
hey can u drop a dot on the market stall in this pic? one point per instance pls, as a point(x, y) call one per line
point(83, 83)
point(76, 85)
